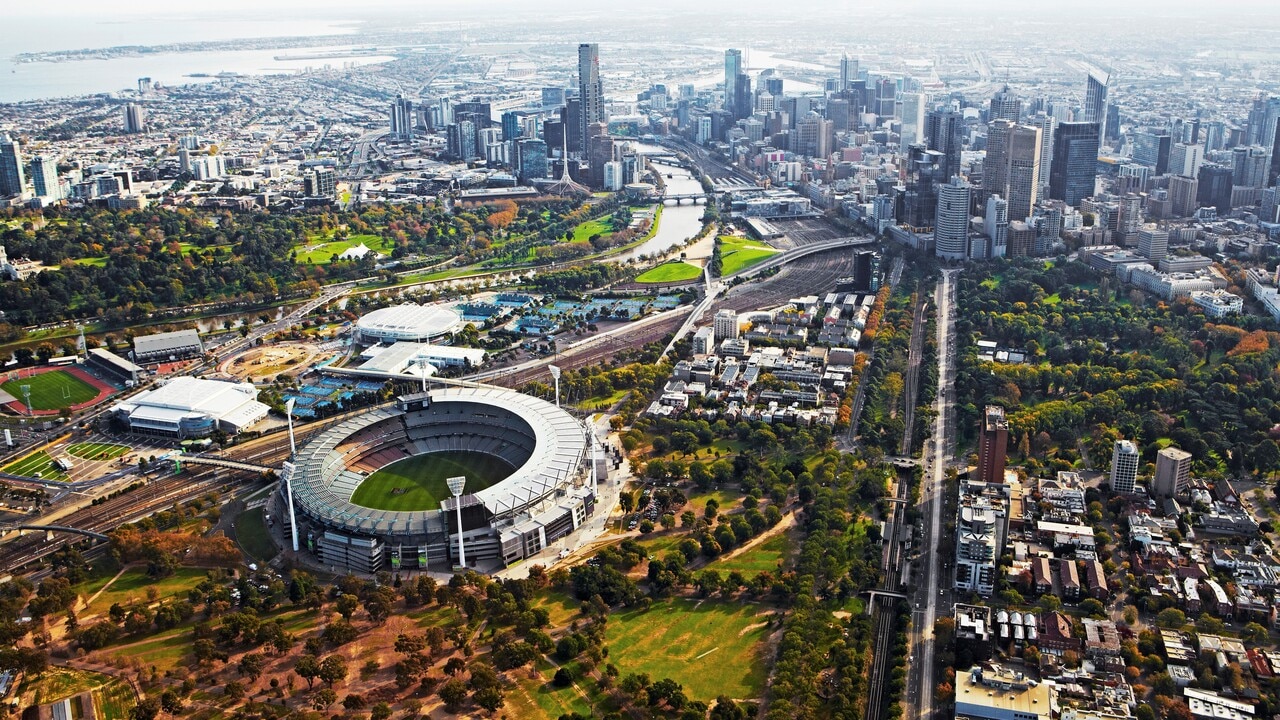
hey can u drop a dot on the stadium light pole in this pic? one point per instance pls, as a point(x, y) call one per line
point(555, 375)
point(455, 486)
point(286, 472)
point(26, 392)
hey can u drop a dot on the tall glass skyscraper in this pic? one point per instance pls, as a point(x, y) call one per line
point(1095, 100)
point(1074, 170)
point(12, 178)
point(590, 89)
point(732, 69)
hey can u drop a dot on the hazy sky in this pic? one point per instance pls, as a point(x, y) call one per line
point(1226, 11)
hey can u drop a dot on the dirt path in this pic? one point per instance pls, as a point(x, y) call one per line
point(787, 522)
point(103, 589)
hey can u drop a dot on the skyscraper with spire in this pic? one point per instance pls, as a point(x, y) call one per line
point(1005, 106)
point(590, 89)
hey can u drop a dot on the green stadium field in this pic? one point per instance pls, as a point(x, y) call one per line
point(97, 451)
point(418, 483)
point(52, 390)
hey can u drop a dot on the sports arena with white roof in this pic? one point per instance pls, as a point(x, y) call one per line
point(187, 407)
point(418, 323)
point(549, 494)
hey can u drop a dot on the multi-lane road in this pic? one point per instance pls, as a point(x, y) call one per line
point(933, 591)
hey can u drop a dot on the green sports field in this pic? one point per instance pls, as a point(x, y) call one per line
point(418, 483)
point(670, 272)
point(38, 464)
point(738, 254)
point(97, 451)
point(52, 390)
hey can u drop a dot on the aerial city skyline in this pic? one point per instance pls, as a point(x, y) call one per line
point(866, 360)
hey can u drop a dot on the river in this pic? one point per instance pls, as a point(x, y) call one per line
point(679, 223)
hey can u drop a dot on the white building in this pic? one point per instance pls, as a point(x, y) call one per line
point(726, 324)
point(1218, 303)
point(188, 407)
point(1124, 466)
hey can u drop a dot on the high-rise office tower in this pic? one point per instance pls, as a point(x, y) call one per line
point(1124, 467)
point(1185, 159)
point(1173, 472)
point(590, 89)
point(951, 221)
point(1151, 148)
point(1046, 123)
point(912, 119)
point(732, 71)
point(1215, 187)
point(995, 166)
point(1269, 205)
point(600, 151)
point(460, 139)
point(135, 118)
point(1095, 99)
point(773, 86)
point(531, 160)
point(1153, 243)
point(13, 179)
point(1074, 170)
point(993, 444)
point(996, 225)
point(742, 104)
point(1183, 194)
point(848, 71)
point(1250, 165)
point(44, 175)
point(571, 116)
point(945, 132)
point(1023, 172)
point(402, 119)
point(1005, 106)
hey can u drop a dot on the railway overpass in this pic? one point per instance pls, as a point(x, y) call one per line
point(55, 528)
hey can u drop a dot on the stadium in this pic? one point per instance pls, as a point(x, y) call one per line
point(416, 323)
point(369, 492)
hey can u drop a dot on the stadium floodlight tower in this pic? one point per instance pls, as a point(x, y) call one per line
point(286, 472)
point(455, 486)
point(555, 375)
point(422, 367)
point(26, 393)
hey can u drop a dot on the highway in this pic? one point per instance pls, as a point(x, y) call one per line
point(931, 595)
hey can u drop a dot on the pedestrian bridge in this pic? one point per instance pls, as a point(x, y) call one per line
point(218, 462)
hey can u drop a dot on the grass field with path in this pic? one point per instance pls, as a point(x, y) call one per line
point(601, 226)
point(38, 464)
point(132, 586)
point(418, 483)
point(670, 272)
point(52, 390)
point(324, 249)
point(97, 451)
point(711, 648)
point(765, 557)
point(253, 535)
point(738, 254)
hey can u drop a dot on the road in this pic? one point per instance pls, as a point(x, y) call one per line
point(931, 595)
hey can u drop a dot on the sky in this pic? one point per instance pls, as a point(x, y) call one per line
point(1223, 10)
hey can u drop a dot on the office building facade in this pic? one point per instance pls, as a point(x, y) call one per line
point(951, 221)
point(993, 444)
point(1173, 472)
point(1074, 169)
point(590, 88)
point(1124, 467)
point(13, 180)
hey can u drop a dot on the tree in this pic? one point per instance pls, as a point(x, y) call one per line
point(1130, 615)
point(489, 698)
point(1171, 618)
point(1254, 634)
point(171, 702)
point(453, 693)
point(251, 666)
point(333, 670)
point(146, 709)
point(308, 668)
point(324, 699)
point(346, 605)
point(233, 690)
point(381, 711)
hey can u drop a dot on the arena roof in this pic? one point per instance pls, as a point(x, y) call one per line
point(182, 397)
point(409, 322)
point(323, 486)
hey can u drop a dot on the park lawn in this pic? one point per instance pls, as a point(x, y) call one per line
point(602, 401)
point(37, 464)
point(711, 648)
point(1053, 299)
point(321, 249)
point(738, 254)
point(726, 499)
point(132, 586)
point(601, 226)
point(97, 451)
point(58, 682)
point(92, 261)
point(52, 390)
point(165, 652)
point(254, 537)
point(725, 447)
point(765, 557)
point(560, 606)
point(676, 271)
point(659, 543)
point(535, 697)
point(418, 483)
point(435, 615)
